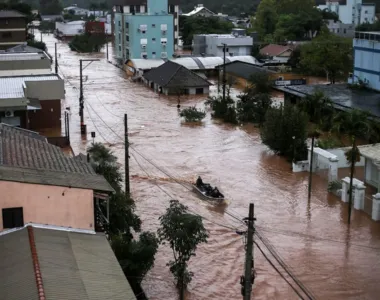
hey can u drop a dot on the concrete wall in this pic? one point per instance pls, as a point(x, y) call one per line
point(366, 62)
point(340, 29)
point(45, 90)
point(372, 174)
point(52, 205)
point(342, 163)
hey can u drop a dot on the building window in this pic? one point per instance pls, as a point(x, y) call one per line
point(153, 53)
point(127, 38)
point(119, 48)
point(153, 40)
point(344, 31)
point(137, 8)
point(13, 217)
point(119, 23)
point(154, 25)
point(366, 11)
point(6, 35)
point(127, 25)
point(199, 91)
point(171, 8)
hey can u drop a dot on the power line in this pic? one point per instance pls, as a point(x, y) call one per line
point(278, 271)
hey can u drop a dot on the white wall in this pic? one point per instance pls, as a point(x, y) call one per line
point(368, 14)
point(342, 163)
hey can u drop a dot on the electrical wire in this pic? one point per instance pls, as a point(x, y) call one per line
point(278, 271)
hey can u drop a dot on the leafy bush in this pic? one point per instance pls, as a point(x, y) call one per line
point(253, 108)
point(192, 114)
point(329, 143)
point(224, 109)
point(334, 186)
point(88, 42)
point(285, 132)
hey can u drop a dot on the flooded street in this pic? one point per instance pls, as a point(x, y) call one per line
point(330, 259)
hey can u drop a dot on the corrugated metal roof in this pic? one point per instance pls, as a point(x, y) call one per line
point(146, 64)
point(12, 87)
point(17, 279)
point(187, 62)
point(243, 58)
point(211, 62)
point(371, 152)
point(79, 266)
point(21, 56)
point(25, 158)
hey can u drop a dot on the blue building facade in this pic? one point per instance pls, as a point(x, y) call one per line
point(147, 34)
point(366, 46)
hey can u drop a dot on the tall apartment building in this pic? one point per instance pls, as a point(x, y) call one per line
point(12, 29)
point(140, 6)
point(148, 34)
point(351, 11)
point(366, 59)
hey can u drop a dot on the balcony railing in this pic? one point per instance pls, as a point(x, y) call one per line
point(369, 36)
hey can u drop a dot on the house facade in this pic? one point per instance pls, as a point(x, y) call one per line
point(13, 29)
point(237, 44)
point(140, 6)
point(40, 184)
point(366, 47)
point(340, 29)
point(277, 53)
point(147, 35)
point(351, 11)
point(371, 153)
point(32, 102)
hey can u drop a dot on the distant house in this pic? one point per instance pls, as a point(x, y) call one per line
point(277, 53)
point(237, 43)
point(51, 18)
point(341, 29)
point(170, 78)
point(50, 262)
point(32, 102)
point(200, 10)
point(64, 30)
point(13, 29)
point(40, 184)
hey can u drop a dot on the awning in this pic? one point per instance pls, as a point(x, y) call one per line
point(34, 104)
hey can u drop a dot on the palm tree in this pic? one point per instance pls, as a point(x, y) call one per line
point(354, 124)
point(318, 106)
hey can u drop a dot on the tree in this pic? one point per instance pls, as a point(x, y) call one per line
point(294, 6)
point(136, 257)
point(369, 27)
point(202, 25)
point(266, 18)
point(184, 232)
point(37, 44)
point(192, 114)
point(328, 54)
point(254, 103)
point(285, 132)
point(354, 124)
point(329, 15)
point(88, 43)
point(319, 108)
point(50, 7)
point(223, 109)
point(93, 7)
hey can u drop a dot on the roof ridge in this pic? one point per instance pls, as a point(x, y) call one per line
point(36, 264)
point(178, 68)
point(205, 80)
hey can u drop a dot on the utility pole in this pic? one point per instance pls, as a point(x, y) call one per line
point(311, 167)
point(83, 127)
point(56, 59)
point(224, 72)
point(249, 275)
point(107, 46)
point(41, 35)
point(127, 186)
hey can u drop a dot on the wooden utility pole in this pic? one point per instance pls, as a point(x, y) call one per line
point(83, 127)
point(107, 46)
point(224, 72)
point(56, 59)
point(127, 185)
point(353, 160)
point(249, 264)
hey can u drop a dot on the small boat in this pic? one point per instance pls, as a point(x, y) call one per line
point(203, 192)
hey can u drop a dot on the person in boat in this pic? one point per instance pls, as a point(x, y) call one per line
point(199, 182)
point(215, 193)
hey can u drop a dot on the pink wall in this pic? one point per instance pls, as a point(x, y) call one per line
point(52, 205)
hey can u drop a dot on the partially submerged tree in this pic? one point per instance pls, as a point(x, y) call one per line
point(136, 256)
point(223, 109)
point(285, 132)
point(319, 108)
point(183, 232)
point(192, 114)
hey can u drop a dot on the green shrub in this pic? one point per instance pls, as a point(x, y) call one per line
point(224, 109)
point(334, 186)
point(329, 143)
point(192, 114)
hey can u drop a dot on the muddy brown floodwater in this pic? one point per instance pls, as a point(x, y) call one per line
point(334, 262)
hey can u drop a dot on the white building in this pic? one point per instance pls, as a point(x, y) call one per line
point(351, 11)
point(77, 10)
point(237, 44)
point(200, 10)
point(340, 29)
point(366, 47)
